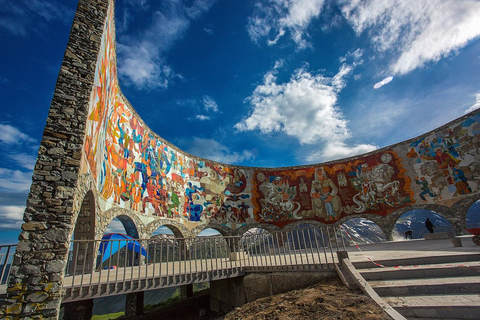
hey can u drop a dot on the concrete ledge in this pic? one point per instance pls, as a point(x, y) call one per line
point(260, 285)
point(457, 242)
point(365, 287)
point(438, 235)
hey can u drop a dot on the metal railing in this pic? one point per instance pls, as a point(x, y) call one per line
point(166, 261)
point(6, 258)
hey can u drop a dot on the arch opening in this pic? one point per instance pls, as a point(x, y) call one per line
point(411, 224)
point(473, 216)
point(118, 249)
point(211, 244)
point(82, 255)
point(209, 232)
point(362, 231)
point(168, 229)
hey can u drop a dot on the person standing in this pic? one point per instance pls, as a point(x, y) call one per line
point(429, 225)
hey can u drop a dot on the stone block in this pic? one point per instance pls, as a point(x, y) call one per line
point(55, 266)
point(23, 246)
point(34, 226)
point(37, 297)
point(457, 242)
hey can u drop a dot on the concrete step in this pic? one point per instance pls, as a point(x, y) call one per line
point(465, 306)
point(418, 261)
point(429, 286)
point(463, 269)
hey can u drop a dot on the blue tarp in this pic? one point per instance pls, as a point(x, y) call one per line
point(109, 248)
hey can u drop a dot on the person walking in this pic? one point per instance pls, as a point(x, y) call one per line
point(429, 225)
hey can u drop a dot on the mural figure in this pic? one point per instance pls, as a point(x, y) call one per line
point(425, 188)
point(448, 159)
point(325, 202)
point(460, 181)
point(376, 187)
point(278, 204)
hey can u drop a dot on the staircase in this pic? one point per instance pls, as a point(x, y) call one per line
point(442, 287)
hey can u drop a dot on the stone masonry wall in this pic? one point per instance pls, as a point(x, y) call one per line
point(34, 289)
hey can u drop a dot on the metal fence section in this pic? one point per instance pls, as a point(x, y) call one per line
point(124, 266)
point(6, 258)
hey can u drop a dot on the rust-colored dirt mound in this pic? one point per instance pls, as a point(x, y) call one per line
point(328, 300)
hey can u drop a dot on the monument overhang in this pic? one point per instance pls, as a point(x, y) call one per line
point(136, 170)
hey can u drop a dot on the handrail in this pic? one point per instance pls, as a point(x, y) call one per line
point(6, 258)
point(123, 266)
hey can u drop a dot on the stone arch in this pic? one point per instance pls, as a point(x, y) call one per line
point(178, 229)
point(416, 224)
point(366, 217)
point(86, 188)
point(134, 227)
point(387, 223)
point(224, 231)
point(243, 229)
point(297, 224)
point(472, 218)
point(85, 224)
point(458, 213)
point(84, 229)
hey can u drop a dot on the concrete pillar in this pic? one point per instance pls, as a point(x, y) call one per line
point(186, 291)
point(227, 294)
point(342, 255)
point(80, 310)
point(134, 304)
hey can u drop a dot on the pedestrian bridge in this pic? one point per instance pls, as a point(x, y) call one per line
point(170, 262)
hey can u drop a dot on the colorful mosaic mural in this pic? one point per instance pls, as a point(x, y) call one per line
point(445, 164)
point(136, 170)
point(373, 184)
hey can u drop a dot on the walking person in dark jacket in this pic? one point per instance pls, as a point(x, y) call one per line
point(429, 225)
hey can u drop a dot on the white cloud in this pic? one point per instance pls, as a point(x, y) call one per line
point(202, 117)
point(303, 108)
point(141, 57)
point(277, 17)
point(339, 150)
point(210, 104)
point(380, 84)
point(24, 160)
point(115, 226)
point(355, 55)
point(11, 135)
point(15, 180)
point(209, 31)
point(476, 105)
point(213, 150)
point(11, 217)
point(417, 32)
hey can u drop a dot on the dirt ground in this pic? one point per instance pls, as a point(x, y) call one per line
point(328, 300)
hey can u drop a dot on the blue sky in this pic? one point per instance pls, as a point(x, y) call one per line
point(255, 83)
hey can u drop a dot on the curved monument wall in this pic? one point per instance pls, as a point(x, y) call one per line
point(135, 169)
point(99, 160)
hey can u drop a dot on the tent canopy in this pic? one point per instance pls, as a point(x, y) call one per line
point(113, 242)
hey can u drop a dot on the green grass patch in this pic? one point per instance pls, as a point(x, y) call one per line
point(108, 316)
point(175, 297)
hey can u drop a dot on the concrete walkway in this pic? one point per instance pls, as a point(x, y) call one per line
point(411, 249)
point(423, 279)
